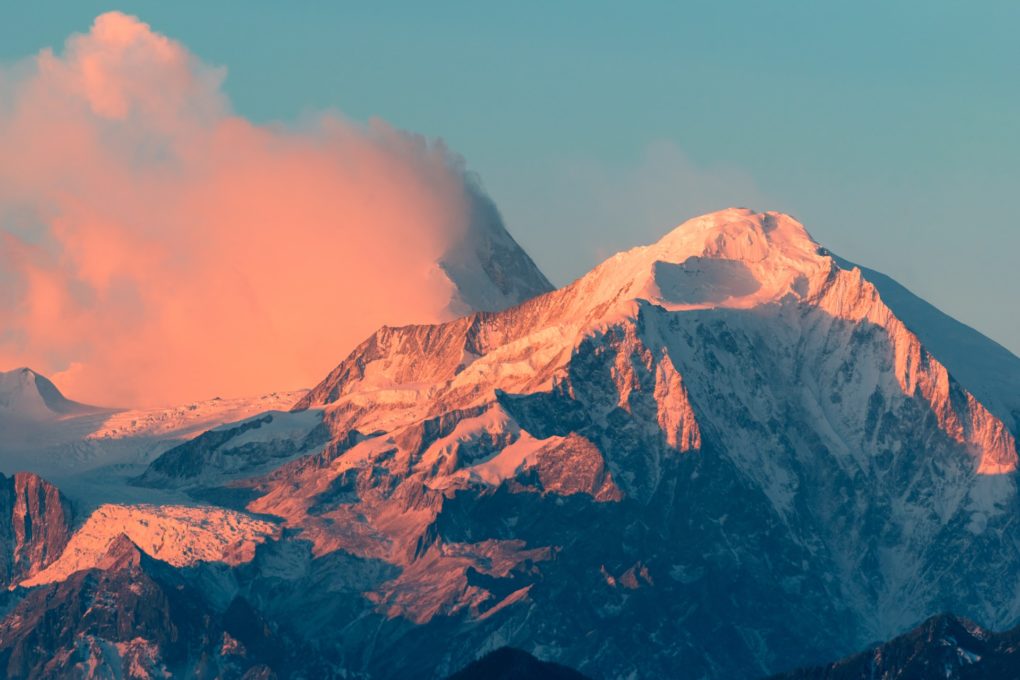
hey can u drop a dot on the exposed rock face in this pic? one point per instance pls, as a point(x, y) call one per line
point(684, 446)
point(487, 267)
point(241, 448)
point(132, 617)
point(35, 525)
point(178, 535)
point(944, 647)
point(721, 455)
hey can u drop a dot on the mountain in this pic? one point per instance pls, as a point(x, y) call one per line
point(488, 269)
point(35, 525)
point(987, 369)
point(721, 455)
point(136, 617)
point(178, 535)
point(513, 664)
point(24, 394)
point(92, 455)
point(944, 647)
point(238, 448)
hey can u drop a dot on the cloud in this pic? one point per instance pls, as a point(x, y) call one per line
point(155, 247)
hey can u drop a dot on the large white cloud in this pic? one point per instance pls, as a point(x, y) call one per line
point(155, 247)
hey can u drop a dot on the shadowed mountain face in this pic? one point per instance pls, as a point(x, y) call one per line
point(132, 616)
point(724, 442)
point(487, 267)
point(24, 394)
point(513, 664)
point(721, 455)
point(989, 370)
point(942, 648)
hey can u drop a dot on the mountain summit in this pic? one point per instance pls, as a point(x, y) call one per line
point(725, 442)
point(732, 258)
point(25, 394)
point(725, 454)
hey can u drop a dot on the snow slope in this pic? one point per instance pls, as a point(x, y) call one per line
point(181, 536)
point(91, 456)
point(987, 369)
point(726, 439)
point(26, 395)
point(724, 454)
point(237, 449)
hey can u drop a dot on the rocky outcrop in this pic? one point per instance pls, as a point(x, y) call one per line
point(944, 647)
point(178, 535)
point(134, 617)
point(237, 449)
point(721, 455)
point(35, 525)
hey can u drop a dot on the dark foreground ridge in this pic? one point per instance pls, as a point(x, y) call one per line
point(943, 647)
point(508, 663)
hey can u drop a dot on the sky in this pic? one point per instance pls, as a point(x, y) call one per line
point(889, 129)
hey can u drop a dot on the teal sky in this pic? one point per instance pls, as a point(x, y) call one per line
point(891, 129)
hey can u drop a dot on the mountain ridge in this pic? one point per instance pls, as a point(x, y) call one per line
point(799, 270)
point(822, 403)
point(944, 647)
point(25, 394)
point(722, 455)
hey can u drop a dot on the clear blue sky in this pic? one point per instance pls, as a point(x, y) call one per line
point(891, 129)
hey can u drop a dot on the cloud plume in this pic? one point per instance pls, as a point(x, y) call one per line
point(155, 247)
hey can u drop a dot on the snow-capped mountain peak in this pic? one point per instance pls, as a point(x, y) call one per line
point(734, 258)
point(25, 394)
point(727, 262)
point(728, 440)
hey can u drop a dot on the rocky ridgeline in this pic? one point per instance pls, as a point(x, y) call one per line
point(721, 455)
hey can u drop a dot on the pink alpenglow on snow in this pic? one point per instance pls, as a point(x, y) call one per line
point(177, 535)
point(155, 246)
